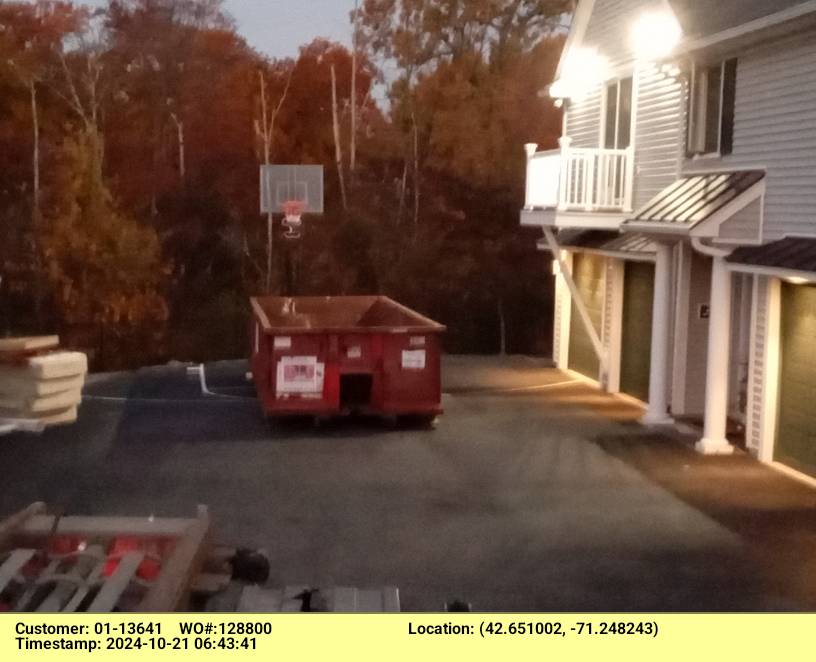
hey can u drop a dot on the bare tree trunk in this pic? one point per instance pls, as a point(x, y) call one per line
point(181, 147)
point(416, 173)
point(338, 148)
point(35, 123)
point(39, 286)
point(267, 134)
point(353, 148)
point(267, 147)
point(403, 190)
point(264, 120)
point(502, 327)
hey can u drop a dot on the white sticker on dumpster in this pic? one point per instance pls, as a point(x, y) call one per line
point(300, 375)
point(355, 352)
point(283, 342)
point(413, 360)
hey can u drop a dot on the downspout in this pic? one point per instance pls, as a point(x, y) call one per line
point(575, 295)
point(710, 251)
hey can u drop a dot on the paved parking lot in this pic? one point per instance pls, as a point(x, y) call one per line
point(535, 493)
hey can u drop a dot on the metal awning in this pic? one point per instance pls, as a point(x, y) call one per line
point(600, 241)
point(789, 254)
point(694, 201)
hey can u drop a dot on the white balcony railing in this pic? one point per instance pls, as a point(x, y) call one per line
point(580, 179)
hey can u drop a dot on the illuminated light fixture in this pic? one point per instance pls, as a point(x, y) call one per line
point(655, 35)
point(797, 280)
point(583, 70)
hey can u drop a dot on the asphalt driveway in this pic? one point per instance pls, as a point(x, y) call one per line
point(535, 493)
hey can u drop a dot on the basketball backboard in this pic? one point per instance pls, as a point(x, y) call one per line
point(289, 183)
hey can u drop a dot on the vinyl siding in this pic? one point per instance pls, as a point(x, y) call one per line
point(744, 226)
point(757, 370)
point(775, 128)
point(584, 121)
point(658, 132)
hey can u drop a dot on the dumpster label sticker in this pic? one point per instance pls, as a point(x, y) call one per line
point(283, 342)
point(413, 360)
point(417, 341)
point(354, 352)
point(300, 375)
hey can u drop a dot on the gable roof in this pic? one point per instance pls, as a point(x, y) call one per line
point(702, 19)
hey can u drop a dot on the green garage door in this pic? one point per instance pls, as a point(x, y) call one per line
point(588, 273)
point(638, 295)
point(796, 442)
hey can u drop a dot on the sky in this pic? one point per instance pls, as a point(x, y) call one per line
point(279, 27)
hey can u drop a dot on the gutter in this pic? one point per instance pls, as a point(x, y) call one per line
point(756, 25)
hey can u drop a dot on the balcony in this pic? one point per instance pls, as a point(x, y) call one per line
point(579, 180)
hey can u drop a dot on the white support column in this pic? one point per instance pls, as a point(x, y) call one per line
point(714, 441)
point(658, 412)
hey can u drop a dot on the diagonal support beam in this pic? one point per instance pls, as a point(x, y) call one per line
point(577, 299)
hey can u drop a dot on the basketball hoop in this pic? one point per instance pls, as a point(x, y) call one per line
point(293, 218)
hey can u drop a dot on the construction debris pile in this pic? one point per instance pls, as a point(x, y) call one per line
point(40, 385)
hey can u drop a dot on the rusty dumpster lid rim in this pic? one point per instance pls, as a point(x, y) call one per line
point(410, 321)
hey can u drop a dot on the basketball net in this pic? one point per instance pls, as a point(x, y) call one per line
point(293, 218)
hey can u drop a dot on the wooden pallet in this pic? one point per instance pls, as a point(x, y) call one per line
point(35, 575)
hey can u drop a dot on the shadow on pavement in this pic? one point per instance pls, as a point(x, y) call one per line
point(774, 514)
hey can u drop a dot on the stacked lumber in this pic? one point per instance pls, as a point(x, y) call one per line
point(39, 383)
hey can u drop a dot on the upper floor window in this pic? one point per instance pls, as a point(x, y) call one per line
point(618, 122)
point(711, 108)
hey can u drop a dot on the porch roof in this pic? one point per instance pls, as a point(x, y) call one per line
point(605, 241)
point(695, 199)
point(791, 253)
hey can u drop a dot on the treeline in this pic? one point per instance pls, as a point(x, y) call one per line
point(130, 142)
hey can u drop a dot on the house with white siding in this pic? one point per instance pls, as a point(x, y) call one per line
point(680, 208)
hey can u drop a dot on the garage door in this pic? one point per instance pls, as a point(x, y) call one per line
point(638, 295)
point(796, 441)
point(588, 273)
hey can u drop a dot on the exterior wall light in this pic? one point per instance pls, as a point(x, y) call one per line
point(655, 35)
point(797, 280)
point(583, 70)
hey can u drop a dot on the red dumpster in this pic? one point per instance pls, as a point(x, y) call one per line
point(327, 356)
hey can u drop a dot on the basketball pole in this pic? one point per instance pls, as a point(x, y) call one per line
point(270, 227)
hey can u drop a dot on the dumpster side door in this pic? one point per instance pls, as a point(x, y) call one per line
point(411, 374)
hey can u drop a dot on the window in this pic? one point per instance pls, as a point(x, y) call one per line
point(618, 124)
point(711, 108)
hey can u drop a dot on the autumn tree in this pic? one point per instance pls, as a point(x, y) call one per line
point(465, 100)
point(105, 268)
